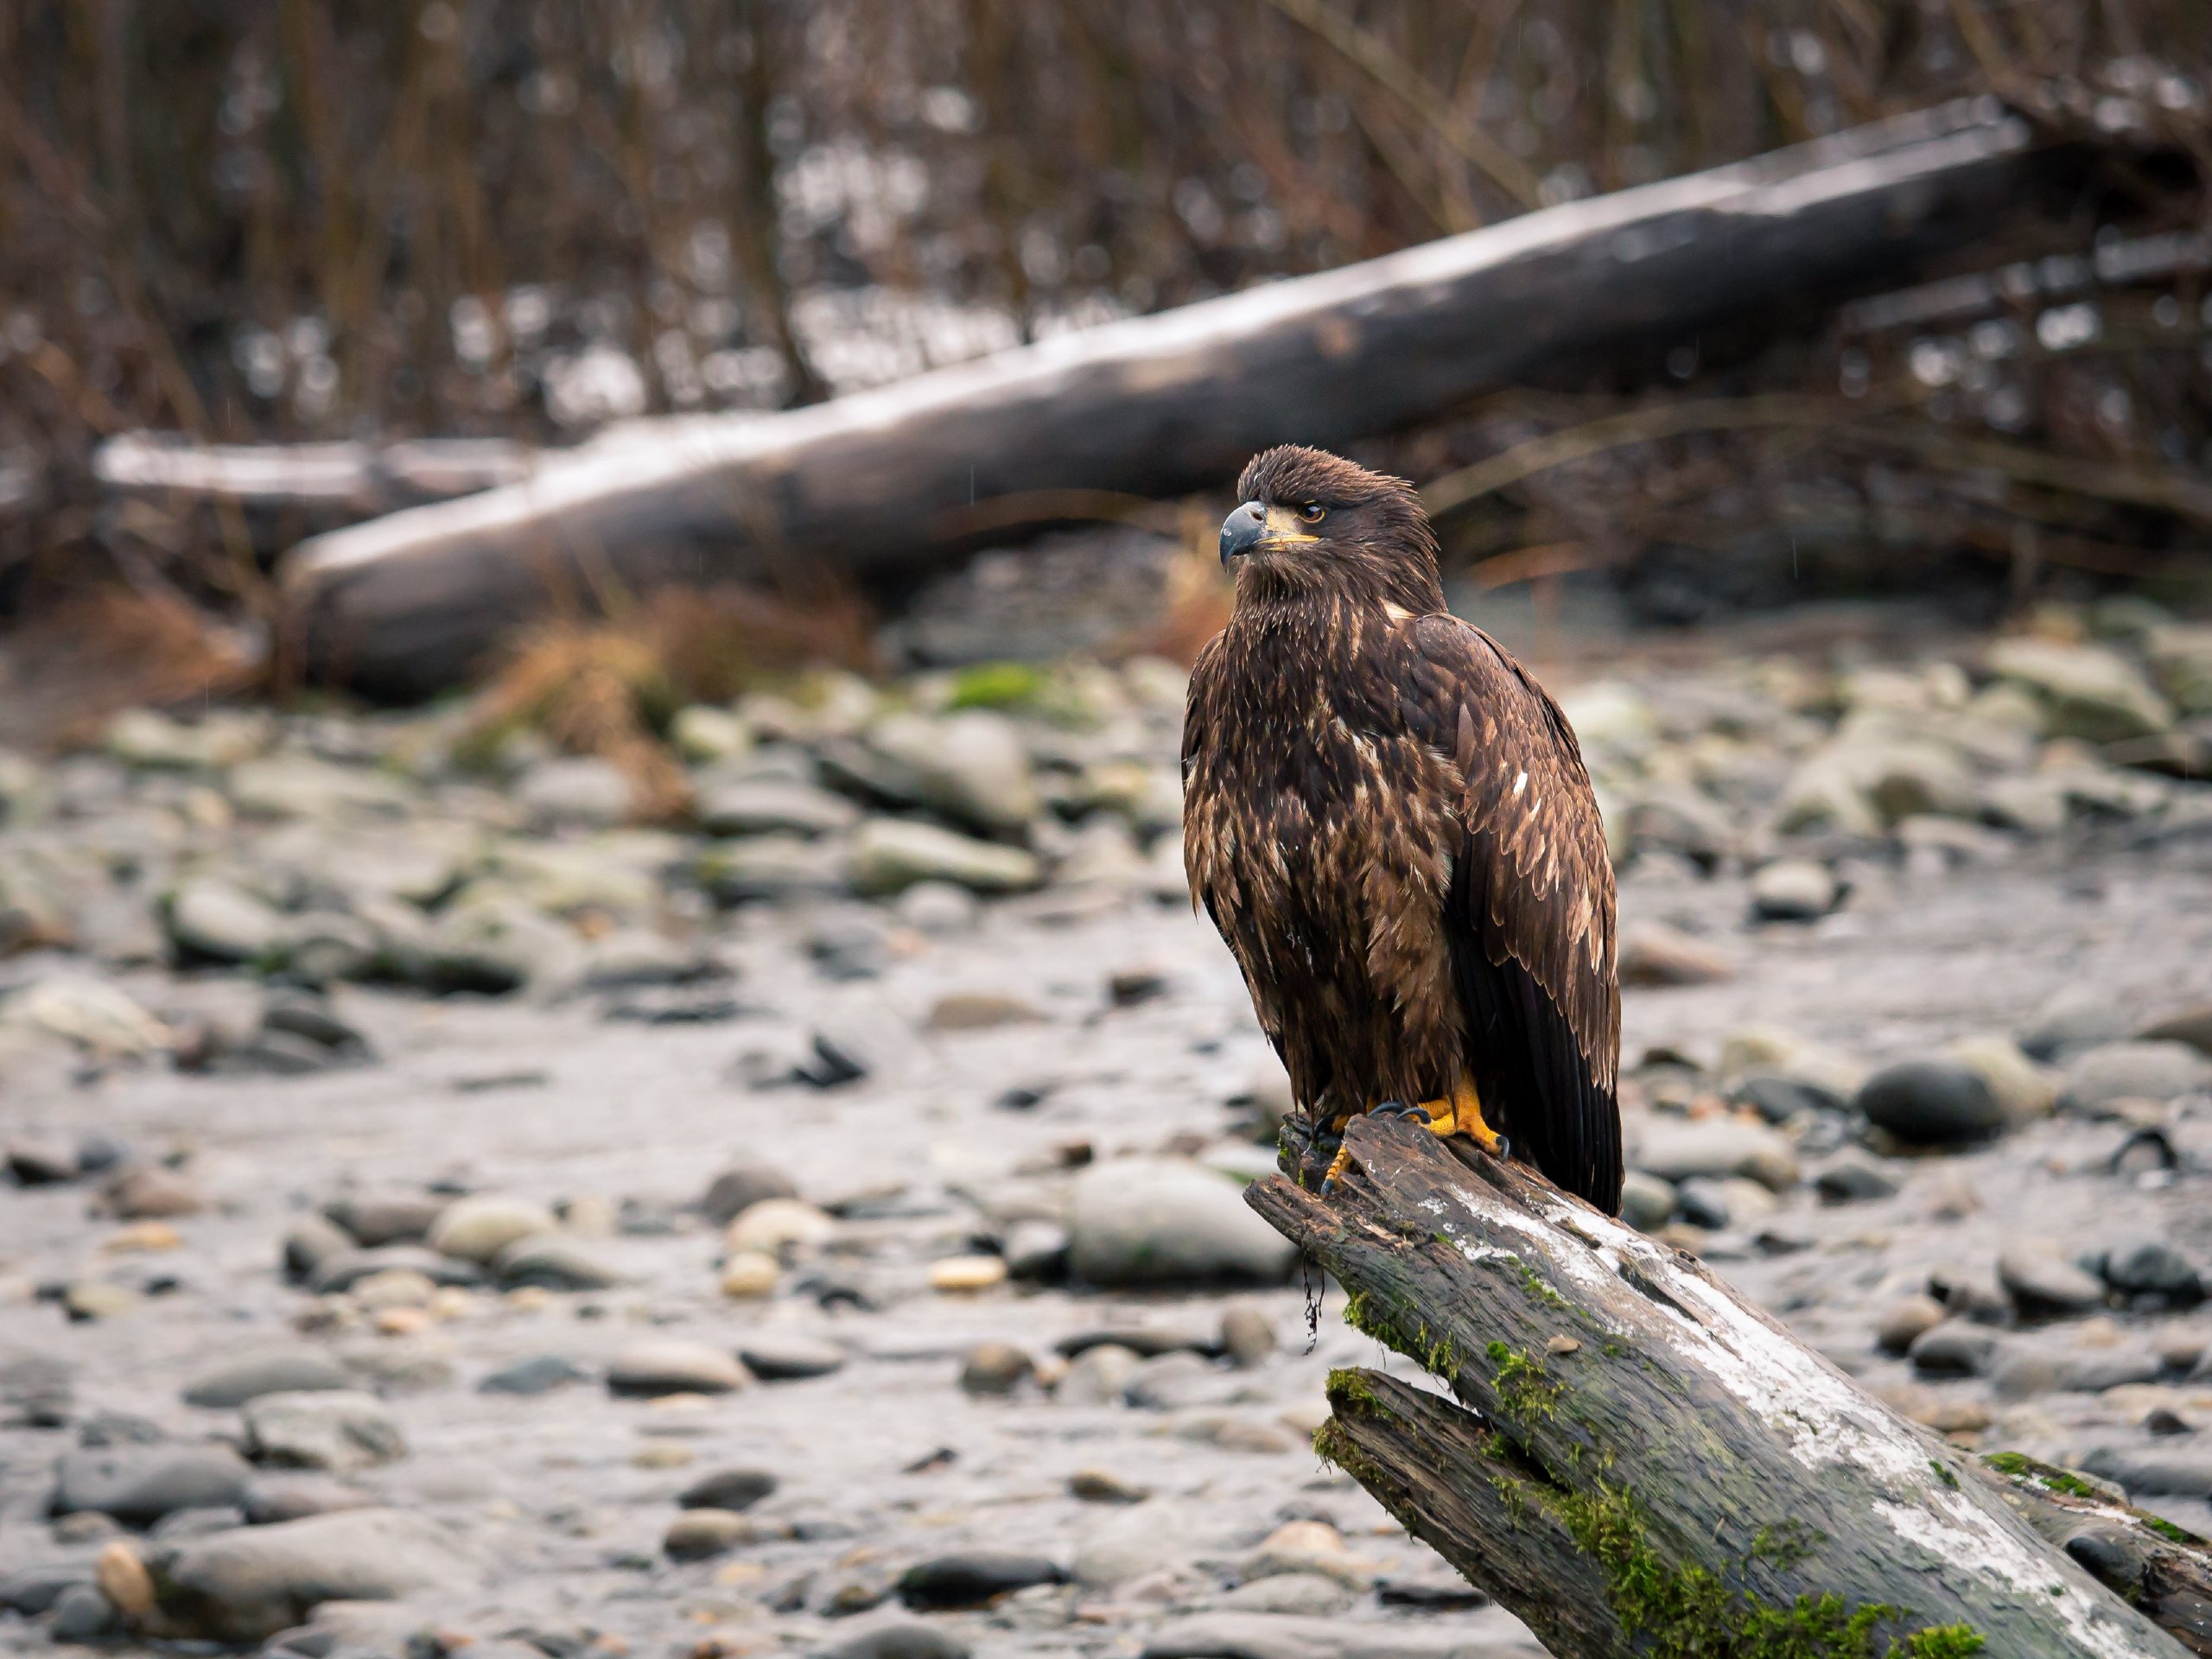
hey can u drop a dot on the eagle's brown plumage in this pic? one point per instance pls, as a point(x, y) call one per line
point(1390, 823)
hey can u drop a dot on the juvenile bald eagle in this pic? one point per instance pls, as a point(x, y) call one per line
point(1390, 824)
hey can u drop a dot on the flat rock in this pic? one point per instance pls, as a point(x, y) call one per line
point(1851, 1178)
point(2076, 1017)
point(211, 921)
point(1793, 890)
point(699, 1534)
point(2148, 1267)
point(477, 1228)
point(775, 1358)
point(373, 1218)
point(551, 1261)
point(540, 1374)
point(2042, 1284)
point(2024, 1367)
point(741, 1185)
point(275, 1370)
point(2154, 1470)
point(138, 1485)
point(2086, 691)
point(2134, 1070)
point(972, 1578)
point(765, 806)
point(1647, 1202)
point(888, 855)
point(1162, 1222)
point(1286, 1636)
point(1954, 1348)
point(906, 1639)
point(729, 1489)
point(1932, 1103)
point(338, 1429)
point(1653, 955)
point(272, 1498)
point(659, 1365)
point(1675, 1149)
point(248, 1584)
point(343, 1271)
point(770, 867)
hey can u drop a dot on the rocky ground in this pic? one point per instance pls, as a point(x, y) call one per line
point(443, 1216)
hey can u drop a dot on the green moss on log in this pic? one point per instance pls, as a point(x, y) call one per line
point(1369, 1315)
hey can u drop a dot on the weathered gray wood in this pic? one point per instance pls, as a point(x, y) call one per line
point(1635, 1460)
point(354, 479)
point(877, 485)
point(2162, 1570)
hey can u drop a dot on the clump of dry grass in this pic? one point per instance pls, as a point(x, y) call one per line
point(612, 687)
point(110, 648)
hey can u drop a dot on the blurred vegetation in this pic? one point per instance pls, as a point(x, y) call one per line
point(284, 219)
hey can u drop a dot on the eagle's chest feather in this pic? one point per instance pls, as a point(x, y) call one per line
point(1320, 831)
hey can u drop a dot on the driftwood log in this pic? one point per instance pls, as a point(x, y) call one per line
point(881, 484)
point(1637, 1461)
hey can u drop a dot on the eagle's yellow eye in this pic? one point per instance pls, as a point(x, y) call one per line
point(1312, 513)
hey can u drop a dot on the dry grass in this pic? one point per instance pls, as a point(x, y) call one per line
point(611, 687)
point(110, 649)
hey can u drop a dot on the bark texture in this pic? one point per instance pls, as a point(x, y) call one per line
point(1636, 1460)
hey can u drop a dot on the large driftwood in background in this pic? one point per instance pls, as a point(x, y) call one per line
point(878, 483)
point(1633, 1459)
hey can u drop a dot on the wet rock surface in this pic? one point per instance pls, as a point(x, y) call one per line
point(470, 1215)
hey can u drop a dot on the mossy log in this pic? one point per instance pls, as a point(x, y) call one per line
point(880, 485)
point(2162, 1570)
point(1638, 1462)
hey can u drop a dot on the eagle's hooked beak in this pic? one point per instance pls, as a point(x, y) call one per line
point(1257, 525)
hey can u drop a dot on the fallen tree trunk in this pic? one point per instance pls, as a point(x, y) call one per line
point(1635, 1460)
point(356, 480)
point(880, 483)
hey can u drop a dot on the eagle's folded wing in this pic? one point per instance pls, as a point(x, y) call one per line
point(1530, 917)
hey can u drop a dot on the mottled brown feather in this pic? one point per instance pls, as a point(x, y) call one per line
point(1390, 824)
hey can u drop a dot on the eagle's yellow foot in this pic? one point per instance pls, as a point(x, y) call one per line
point(1462, 1114)
point(1338, 1164)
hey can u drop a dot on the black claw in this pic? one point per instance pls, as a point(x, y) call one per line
point(1400, 1109)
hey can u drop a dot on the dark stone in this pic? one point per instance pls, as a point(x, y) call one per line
point(82, 1614)
point(2111, 1554)
point(1142, 1340)
point(1932, 1103)
point(97, 1154)
point(2152, 1269)
point(40, 1163)
point(540, 1374)
point(1954, 1348)
point(1854, 1180)
point(314, 1020)
point(972, 1578)
point(735, 1490)
point(31, 1590)
point(1431, 1595)
point(790, 1359)
point(741, 1186)
point(343, 1271)
point(1778, 1099)
point(139, 1484)
point(374, 1219)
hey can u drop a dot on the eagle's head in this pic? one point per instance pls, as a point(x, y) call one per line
point(1315, 521)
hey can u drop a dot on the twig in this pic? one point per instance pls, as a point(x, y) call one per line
point(1391, 73)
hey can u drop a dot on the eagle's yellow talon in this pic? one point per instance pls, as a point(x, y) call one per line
point(1337, 1165)
point(1462, 1114)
